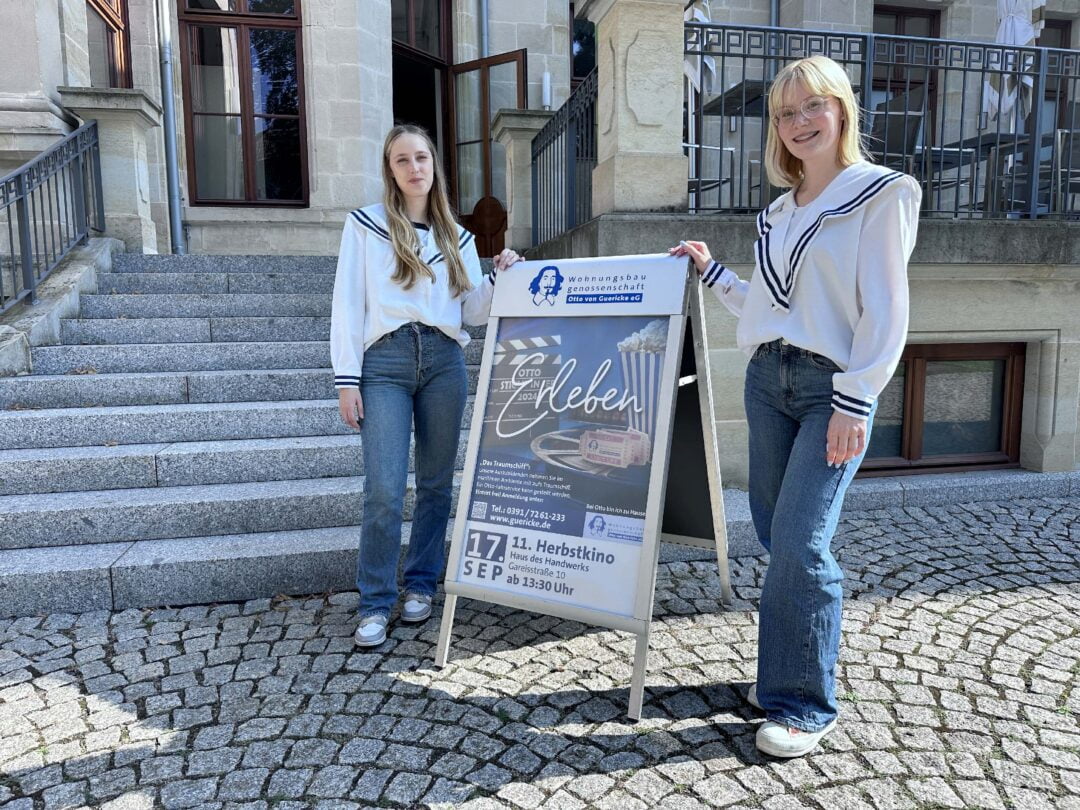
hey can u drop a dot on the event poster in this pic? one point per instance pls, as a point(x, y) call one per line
point(561, 477)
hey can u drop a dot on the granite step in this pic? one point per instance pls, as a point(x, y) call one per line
point(254, 283)
point(177, 571)
point(226, 568)
point(151, 357)
point(206, 263)
point(76, 469)
point(112, 331)
point(251, 460)
point(181, 305)
point(124, 515)
point(82, 469)
point(56, 391)
point(202, 263)
point(236, 567)
point(144, 283)
point(171, 388)
point(150, 424)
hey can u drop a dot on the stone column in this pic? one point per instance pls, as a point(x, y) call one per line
point(32, 56)
point(515, 130)
point(124, 117)
point(1051, 424)
point(639, 53)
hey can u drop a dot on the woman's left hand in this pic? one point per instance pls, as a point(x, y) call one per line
point(846, 439)
point(508, 257)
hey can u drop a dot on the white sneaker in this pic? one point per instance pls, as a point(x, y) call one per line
point(779, 740)
point(416, 608)
point(751, 697)
point(372, 631)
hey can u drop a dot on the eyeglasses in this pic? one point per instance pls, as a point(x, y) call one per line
point(811, 108)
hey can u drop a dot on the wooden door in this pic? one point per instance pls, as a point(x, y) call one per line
point(479, 89)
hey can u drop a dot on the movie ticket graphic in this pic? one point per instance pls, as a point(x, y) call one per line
point(561, 478)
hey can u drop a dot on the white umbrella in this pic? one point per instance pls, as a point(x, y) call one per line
point(698, 11)
point(1019, 26)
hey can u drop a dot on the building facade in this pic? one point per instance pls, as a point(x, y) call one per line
point(280, 108)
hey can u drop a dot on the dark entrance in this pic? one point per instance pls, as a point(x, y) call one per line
point(455, 103)
point(420, 96)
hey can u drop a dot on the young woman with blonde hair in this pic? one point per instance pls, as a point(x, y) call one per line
point(824, 320)
point(408, 279)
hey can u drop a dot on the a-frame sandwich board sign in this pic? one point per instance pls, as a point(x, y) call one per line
point(562, 499)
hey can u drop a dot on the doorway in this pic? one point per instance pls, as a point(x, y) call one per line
point(420, 96)
point(455, 104)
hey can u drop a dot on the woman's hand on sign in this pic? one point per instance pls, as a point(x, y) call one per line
point(846, 439)
point(506, 258)
point(351, 407)
point(698, 251)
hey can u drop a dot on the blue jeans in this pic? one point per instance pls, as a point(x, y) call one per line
point(414, 373)
point(795, 502)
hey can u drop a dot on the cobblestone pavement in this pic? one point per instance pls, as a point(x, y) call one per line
point(959, 681)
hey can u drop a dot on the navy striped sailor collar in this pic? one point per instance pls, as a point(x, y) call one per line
point(855, 186)
point(373, 219)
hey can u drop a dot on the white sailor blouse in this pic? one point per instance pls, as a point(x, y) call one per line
point(367, 304)
point(840, 288)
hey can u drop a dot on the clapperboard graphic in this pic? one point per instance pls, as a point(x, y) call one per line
point(520, 367)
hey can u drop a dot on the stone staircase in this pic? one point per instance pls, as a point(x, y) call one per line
point(183, 443)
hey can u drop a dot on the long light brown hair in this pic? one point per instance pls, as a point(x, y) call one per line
point(823, 77)
point(410, 265)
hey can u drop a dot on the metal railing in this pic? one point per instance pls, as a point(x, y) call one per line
point(563, 157)
point(989, 130)
point(48, 206)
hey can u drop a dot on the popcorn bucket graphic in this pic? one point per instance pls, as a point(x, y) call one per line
point(641, 375)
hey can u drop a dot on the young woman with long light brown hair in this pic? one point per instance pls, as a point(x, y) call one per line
point(408, 281)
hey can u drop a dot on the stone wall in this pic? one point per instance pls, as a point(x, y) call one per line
point(827, 15)
point(542, 27)
point(969, 281)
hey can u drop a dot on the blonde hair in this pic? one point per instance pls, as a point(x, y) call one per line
point(410, 266)
point(824, 77)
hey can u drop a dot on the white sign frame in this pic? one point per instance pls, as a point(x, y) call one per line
point(681, 302)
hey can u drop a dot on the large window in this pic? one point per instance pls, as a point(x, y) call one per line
point(108, 43)
point(899, 89)
point(948, 406)
point(1057, 112)
point(421, 24)
point(244, 99)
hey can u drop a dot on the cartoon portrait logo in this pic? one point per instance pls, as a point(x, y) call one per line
point(546, 285)
point(597, 526)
